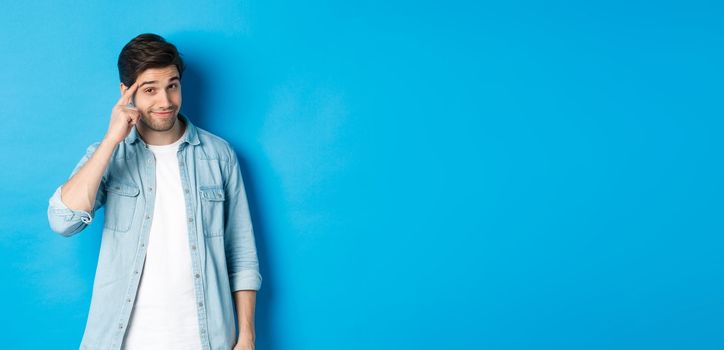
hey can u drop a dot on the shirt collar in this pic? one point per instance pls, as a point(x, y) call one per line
point(191, 135)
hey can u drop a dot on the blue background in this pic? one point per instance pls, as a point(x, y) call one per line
point(422, 175)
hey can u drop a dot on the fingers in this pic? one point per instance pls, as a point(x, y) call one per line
point(127, 96)
point(132, 115)
point(134, 118)
point(130, 92)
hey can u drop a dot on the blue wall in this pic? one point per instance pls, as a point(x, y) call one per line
point(422, 175)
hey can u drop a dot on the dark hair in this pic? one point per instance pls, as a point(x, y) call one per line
point(147, 51)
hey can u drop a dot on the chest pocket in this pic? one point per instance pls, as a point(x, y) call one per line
point(121, 202)
point(212, 210)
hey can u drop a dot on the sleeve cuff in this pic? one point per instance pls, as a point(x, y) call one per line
point(59, 208)
point(245, 280)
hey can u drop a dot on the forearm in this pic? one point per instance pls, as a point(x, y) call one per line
point(245, 304)
point(79, 192)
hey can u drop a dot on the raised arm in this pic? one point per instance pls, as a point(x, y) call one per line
point(71, 207)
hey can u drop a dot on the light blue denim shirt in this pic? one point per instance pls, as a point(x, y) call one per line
point(221, 238)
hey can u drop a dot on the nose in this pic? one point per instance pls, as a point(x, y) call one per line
point(164, 100)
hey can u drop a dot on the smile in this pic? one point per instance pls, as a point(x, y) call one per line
point(163, 114)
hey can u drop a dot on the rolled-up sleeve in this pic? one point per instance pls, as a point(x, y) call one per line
point(66, 221)
point(239, 241)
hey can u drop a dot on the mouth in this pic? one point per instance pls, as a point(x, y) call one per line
point(163, 114)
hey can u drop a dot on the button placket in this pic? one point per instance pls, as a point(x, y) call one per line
point(189, 199)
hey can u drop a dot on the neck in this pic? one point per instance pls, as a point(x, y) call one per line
point(159, 138)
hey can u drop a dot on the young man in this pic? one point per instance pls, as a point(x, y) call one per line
point(177, 236)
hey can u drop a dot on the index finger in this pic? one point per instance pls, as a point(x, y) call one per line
point(126, 98)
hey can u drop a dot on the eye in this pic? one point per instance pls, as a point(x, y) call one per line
point(173, 86)
point(149, 90)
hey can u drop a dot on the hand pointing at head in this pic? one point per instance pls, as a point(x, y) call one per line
point(123, 116)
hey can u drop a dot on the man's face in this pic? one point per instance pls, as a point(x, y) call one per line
point(158, 97)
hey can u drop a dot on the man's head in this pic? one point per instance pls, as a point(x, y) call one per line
point(157, 66)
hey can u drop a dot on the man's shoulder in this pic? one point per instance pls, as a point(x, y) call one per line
point(214, 146)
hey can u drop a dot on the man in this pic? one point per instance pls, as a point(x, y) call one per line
point(177, 237)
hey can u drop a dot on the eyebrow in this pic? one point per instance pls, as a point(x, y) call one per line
point(156, 81)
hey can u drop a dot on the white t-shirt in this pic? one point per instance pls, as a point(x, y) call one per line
point(164, 315)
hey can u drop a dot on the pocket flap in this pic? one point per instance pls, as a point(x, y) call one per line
point(122, 189)
point(212, 194)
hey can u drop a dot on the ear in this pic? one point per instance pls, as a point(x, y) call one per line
point(123, 89)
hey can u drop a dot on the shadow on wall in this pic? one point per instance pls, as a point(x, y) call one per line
point(197, 96)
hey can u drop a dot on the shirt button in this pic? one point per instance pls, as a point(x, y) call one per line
point(201, 304)
point(118, 187)
point(136, 272)
point(128, 300)
point(193, 247)
point(191, 219)
point(147, 217)
point(186, 190)
point(150, 189)
point(120, 325)
point(197, 275)
point(202, 331)
point(143, 245)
